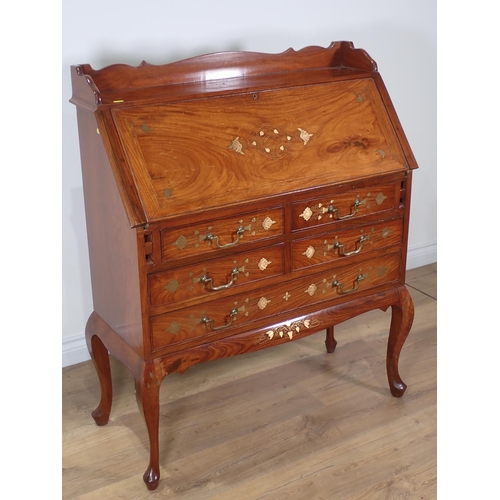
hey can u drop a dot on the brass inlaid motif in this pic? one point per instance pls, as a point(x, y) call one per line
point(287, 330)
point(168, 193)
point(172, 286)
point(180, 242)
point(311, 289)
point(386, 232)
point(305, 136)
point(272, 141)
point(380, 198)
point(263, 263)
point(267, 223)
point(237, 146)
point(173, 328)
point(309, 252)
point(146, 128)
point(381, 270)
point(262, 303)
point(306, 214)
point(381, 152)
point(286, 296)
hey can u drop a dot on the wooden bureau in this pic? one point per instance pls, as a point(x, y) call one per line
point(237, 201)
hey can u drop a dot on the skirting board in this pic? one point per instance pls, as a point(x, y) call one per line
point(74, 349)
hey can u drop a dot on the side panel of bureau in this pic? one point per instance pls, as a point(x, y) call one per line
point(113, 245)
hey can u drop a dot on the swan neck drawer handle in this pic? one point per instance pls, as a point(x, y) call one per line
point(354, 252)
point(210, 322)
point(212, 237)
point(333, 210)
point(340, 287)
point(206, 280)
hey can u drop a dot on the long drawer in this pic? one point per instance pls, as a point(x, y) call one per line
point(226, 316)
point(209, 277)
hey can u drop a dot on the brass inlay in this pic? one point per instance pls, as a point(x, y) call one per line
point(118, 100)
point(237, 146)
point(306, 214)
point(289, 329)
point(360, 98)
point(263, 303)
point(267, 223)
point(263, 263)
point(386, 232)
point(181, 242)
point(173, 328)
point(146, 128)
point(168, 193)
point(172, 286)
point(305, 136)
point(381, 152)
point(311, 289)
point(286, 296)
point(309, 252)
point(381, 271)
point(380, 198)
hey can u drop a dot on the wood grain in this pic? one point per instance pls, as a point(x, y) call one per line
point(179, 177)
point(183, 325)
point(249, 146)
point(292, 422)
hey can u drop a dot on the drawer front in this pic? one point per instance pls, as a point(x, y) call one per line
point(354, 204)
point(340, 245)
point(203, 322)
point(209, 237)
point(208, 278)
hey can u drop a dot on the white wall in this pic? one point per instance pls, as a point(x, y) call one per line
point(400, 36)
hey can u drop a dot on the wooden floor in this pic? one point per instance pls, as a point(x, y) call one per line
point(286, 423)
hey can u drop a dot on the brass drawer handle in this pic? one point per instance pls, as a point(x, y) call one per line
point(354, 252)
point(206, 280)
point(340, 287)
point(333, 210)
point(212, 237)
point(210, 322)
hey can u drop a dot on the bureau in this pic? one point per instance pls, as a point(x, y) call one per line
point(237, 201)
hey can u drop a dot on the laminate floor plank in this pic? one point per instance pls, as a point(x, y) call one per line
point(291, 422)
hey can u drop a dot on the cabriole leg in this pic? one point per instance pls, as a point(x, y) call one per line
point(402, 319)
point(100, 358)
point(330, 341)
point(147, 389)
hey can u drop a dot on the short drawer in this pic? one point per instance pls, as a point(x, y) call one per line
point(352, 204)
point(224, 317)
point(234, 232)
point(340, 245)
point(210, 277)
